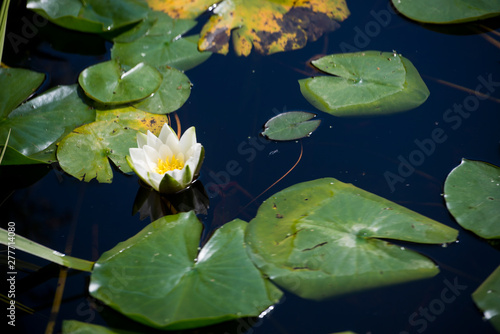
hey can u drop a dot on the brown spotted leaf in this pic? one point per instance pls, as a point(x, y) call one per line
point(269, 26)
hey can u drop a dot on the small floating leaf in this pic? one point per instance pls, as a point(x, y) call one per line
point(90, 15)
point(323, 238)
point(290, 125)
point(167, 283)
point(365, 83)
point(487, 298)
point(108, 83)
point(472, 194)
point(447, 11)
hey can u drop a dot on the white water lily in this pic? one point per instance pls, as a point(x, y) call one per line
point(166, 163)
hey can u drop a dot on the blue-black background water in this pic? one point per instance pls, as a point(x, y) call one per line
point(231, 99)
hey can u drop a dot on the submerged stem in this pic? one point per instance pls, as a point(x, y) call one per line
point(28, 246)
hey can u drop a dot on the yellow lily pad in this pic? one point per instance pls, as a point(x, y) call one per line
point(269, 26)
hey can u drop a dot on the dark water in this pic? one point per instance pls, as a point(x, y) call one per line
point(231, 99)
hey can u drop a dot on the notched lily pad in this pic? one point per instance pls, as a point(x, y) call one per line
point(472, 194)
point(84, 152)
point(447, 11)
point(290, 125)
point(324, 238)
point(109, 83)
point(487, 298)
point(365, 83)
point(166, 283)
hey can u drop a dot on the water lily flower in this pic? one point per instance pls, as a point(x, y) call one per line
point(166, 163)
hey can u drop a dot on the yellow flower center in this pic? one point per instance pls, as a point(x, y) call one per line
point(165, 166)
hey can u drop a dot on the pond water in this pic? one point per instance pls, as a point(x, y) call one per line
point(231, 99)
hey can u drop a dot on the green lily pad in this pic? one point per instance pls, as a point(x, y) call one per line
point(365, 83)
point(17, 85)
point(84, 152)
point(93, 16)
point(290, 125)
point(108, 83)
point(472, 194)
point(40, 123)
point(158, 42)
point(159, 278)
point(487, 298)
point(78, 327)
point(324, 238)
point(14, 157)
point(447, 11)
point(173, 92)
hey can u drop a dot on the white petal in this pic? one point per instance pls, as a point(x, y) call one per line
point(153, 141)
point(155, 180)
point(188, 139)
point(142, 139)
point(140, 168)
point(194, 159)
point(173, 143)
point(166, 131)
point(152, 157)
point(139, 164)
point(137, 154)
point(164, 152)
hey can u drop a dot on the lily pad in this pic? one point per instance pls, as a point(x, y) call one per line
point(182, 9)
point(78, 327)
point(84, 152)
point(159, 278)
point(130, 117)
point(109, 83)
point(17, 85)
point(93, 16)
point(13, 157)
point(447, 11)
point(487, 298)
point(472, 194)
point(158, 41)
point(40, 123)
point(365, 83)
point(290, 125)
point(172, 94)
point(324, 238)
point(269, 26)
